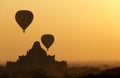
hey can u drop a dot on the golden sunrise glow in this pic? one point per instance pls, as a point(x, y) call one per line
point(83, 29)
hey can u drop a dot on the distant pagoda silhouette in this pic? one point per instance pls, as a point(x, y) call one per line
point(37, 58)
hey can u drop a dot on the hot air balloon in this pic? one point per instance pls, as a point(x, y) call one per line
point(47, 40)
point(24, 18)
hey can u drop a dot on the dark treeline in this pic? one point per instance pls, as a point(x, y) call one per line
point(70, 73)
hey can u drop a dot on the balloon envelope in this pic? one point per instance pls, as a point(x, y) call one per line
point(24, 18)
point(47, 40)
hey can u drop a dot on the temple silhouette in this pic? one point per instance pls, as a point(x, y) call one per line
point(38, 64)
point(37, 58)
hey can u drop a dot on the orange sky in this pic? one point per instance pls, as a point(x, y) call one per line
point(84, 30)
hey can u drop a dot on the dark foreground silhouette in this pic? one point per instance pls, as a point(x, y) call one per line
point(37, 64)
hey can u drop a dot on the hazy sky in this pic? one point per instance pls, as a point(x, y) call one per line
point(84, 30)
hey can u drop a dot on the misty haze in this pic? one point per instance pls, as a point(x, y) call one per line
point(60, 39)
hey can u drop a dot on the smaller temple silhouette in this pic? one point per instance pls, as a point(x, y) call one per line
point(37, 58)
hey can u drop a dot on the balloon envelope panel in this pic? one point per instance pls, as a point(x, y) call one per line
point(24, 18)
point(47, 40)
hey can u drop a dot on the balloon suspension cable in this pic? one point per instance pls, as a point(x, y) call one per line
point(23, 31)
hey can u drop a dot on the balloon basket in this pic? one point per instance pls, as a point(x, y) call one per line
point(23, 31)
point(47, 49)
